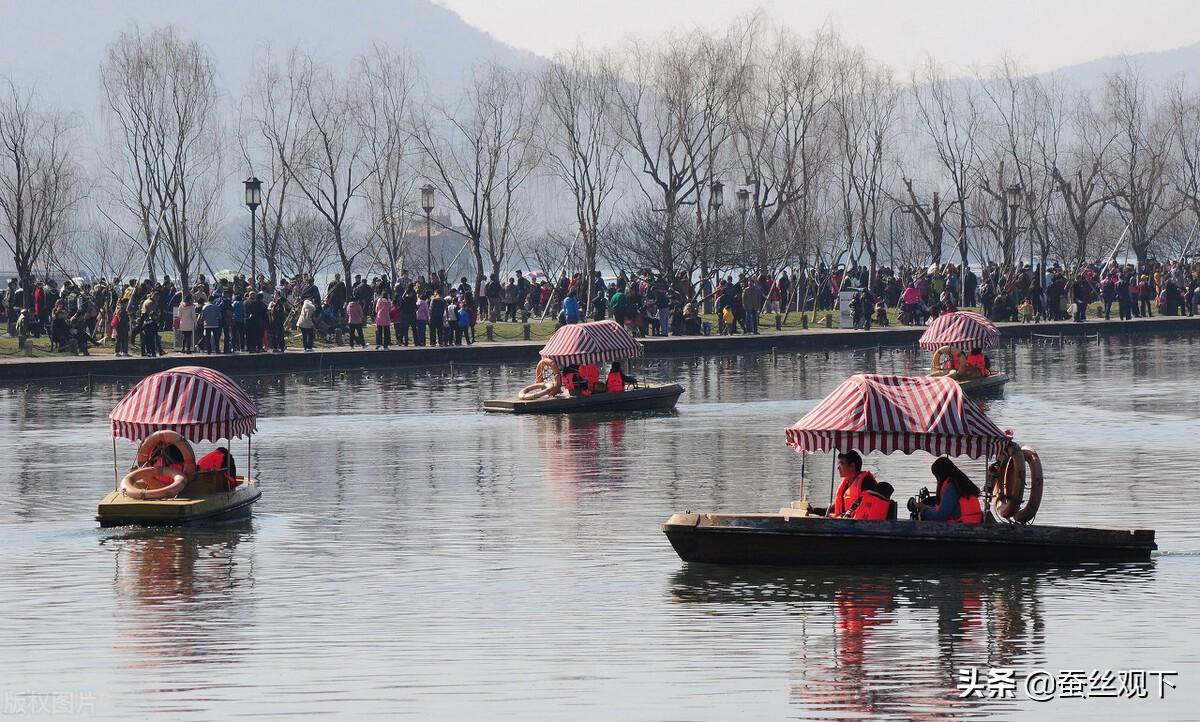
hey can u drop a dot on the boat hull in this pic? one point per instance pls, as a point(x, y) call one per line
point(645, 398)
point(779, 539)
point(116, 509)
point(986, 384)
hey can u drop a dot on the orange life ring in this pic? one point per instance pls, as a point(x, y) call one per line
point(134, 484)
point(939, 355)
point(1006, 479)
point(152, 443)
point(1036, 482)
point(543, 387)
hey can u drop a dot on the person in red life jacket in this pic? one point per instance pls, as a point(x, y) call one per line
point(219, 459)
point(616, 380)
point(979, 361)
point(957, 499)
point(572, 381)
point(849, 467)
point(591, 377)
point(875, 503)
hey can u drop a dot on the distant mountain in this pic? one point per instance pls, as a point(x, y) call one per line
point(1156, 67)
point(58, 44)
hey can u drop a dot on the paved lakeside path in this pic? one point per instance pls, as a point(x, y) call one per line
point(19, 368)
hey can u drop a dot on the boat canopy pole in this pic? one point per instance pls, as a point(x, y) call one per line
point(803, 458)
point(116, 481)
point(832, 476)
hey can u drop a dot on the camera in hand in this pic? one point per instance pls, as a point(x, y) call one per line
point(924, 496)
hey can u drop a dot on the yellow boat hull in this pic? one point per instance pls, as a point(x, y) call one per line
point(117, 509)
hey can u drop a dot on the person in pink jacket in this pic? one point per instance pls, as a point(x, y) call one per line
point(354, 319)
point(383, 322)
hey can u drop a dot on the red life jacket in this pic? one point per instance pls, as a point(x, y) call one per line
point(979, 361)
point(848, 492)
point(590, 374)
point(872, 507)
point(615, 382)
point(570, 381)
point(969, 510)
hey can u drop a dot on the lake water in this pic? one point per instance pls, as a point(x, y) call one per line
point(412, 557)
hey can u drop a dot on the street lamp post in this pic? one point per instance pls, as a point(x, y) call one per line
point(1014, 204)
point(253, 188)
point(427, 206)
point(743, 206)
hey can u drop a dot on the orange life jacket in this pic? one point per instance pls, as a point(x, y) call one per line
point(969, 510)
point(570, 381)
point(979, 361)
point(615, 382)
point(848, 492)
point(872, 507)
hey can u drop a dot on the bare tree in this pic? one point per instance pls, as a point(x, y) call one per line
point(1077, 174)
point(674, 109)
point(1139, 169)
point(948, 114)
point(865, 103)
point(581, 145)
point(307, 245)
point(40, 183)
point(480, 155)
point(162, 100)
point(1026, 128)
point(269, 132)
point(329, 166)
point(782, 140)
point(388, 80)
point(1183, 109)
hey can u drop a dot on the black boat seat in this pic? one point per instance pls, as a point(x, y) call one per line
point(891, 510)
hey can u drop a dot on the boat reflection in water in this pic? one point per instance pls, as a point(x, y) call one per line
point(185, 594)
point(872, 643)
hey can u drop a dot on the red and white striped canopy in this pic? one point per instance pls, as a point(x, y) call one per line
point(964, 329)
point(594, 342)
point(871, 412)
point(199, 403)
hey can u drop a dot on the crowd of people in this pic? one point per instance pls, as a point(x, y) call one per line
point(229, 315)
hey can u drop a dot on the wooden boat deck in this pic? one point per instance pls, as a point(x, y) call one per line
point(781, 539)
point(643, 398)
point(116, 509)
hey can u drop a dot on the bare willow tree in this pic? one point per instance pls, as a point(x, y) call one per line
point(480, 154)
point(1025, 129)
point(581, 146)
point(866, 104)
point(674, 105)
point(1078, 177)
point(1138, 173)
point(329, 166)
point(388, 80)
point(783, 141)
point(307, 245)
point(162, 103)
point(947, 111)
point(41, 185)
point(269, 131)
point(1183, 111)
point(100, 251)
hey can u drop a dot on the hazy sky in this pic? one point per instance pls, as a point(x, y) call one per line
point(1040, 34)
